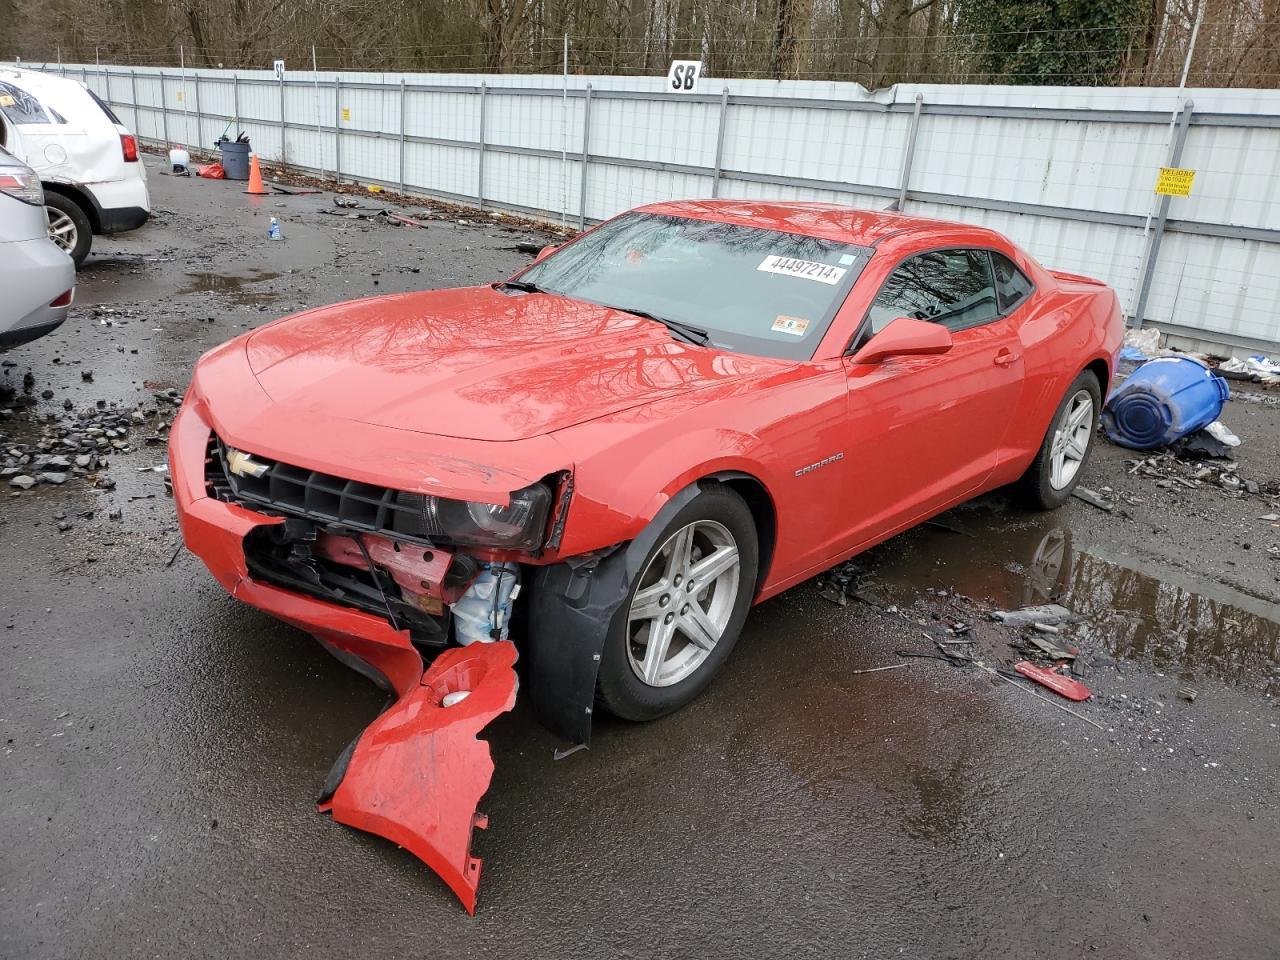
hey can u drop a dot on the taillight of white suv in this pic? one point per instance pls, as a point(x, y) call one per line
point(25, 186)
point(129, 147)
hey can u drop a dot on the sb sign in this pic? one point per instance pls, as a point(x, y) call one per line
point(1175, 181)
point(683, 76)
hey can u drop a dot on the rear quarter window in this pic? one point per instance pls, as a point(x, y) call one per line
point(105, 109)
point(1012, 285)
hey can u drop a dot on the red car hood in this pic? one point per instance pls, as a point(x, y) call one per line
point(477, 363)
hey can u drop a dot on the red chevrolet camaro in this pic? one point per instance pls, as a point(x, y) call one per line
point(673, 416)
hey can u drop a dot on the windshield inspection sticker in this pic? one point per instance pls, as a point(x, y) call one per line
point(796, 326)
point(806, 269)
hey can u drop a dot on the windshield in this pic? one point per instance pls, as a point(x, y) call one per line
point(754, 291)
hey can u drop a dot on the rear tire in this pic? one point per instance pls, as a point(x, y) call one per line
point(69, 226)
point(670, 638)
point(1064, 452)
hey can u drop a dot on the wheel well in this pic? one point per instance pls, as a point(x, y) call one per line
point(78, 197)
point(763, 515)
point(1099, 369)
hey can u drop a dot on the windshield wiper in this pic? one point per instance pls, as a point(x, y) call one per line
point(523, 285)
point(685, 331)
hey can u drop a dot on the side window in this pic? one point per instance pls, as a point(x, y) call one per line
point(1012, 285)
point(951, 287)
point(20, 107)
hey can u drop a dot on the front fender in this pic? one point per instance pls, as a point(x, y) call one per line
point(616, 495)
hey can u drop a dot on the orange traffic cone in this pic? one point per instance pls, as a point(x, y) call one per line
point(255, 177)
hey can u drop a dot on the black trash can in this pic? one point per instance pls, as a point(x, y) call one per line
point(235, 159)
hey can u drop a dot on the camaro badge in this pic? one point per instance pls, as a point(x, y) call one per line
point(821, 463)
point(243, 465)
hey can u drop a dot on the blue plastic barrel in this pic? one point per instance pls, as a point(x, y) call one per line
point(1163, 400)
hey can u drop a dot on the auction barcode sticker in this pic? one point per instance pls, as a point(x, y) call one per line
point(806, 269)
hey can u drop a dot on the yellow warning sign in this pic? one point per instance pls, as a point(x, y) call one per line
point(1175, 181)
point(346, 114)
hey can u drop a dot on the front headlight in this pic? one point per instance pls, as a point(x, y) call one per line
point(520, 524)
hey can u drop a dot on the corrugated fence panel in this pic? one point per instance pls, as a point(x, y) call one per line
point(1067, 172)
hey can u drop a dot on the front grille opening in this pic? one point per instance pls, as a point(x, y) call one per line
point(287, 490)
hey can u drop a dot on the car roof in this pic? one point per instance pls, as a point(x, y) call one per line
point(829, 221)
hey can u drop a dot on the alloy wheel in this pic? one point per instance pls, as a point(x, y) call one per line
point(62, 229)
point(1071, 439)
point(683, 603)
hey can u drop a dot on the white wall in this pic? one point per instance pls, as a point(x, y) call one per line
point(1066, 172)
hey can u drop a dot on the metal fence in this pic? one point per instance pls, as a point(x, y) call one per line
point(1069, 173)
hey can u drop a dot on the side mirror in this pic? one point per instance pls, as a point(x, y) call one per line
point(546, 252)
point(905, 337)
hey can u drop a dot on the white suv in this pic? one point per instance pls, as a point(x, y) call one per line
point(87, 160)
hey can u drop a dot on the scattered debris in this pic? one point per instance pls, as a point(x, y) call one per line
point(892, 666)
point(1050, 649)
point(1049, 613)
point(1258, 368)
point(1187, 694)
point(1059, 684)
point(1093, 499)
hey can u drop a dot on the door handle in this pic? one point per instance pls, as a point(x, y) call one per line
point(1005, 357)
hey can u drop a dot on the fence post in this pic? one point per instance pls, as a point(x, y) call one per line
point(164, 110)
point(908, 154)
point(1162, 215)
point(337, 129)
point(484, 88)
point(235, 103)
point(106, 82)
point(195, 77)
point(282, 134)
point(586, 156)
point(724, 113)
point(133, 92)
point(402, 136)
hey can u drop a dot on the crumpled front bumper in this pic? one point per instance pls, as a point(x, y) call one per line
point(417, 773)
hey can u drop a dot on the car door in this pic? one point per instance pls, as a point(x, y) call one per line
point(925, 431)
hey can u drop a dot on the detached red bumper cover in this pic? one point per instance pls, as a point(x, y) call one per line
point(418, 772)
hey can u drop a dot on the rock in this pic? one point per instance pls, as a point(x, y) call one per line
point(57, 463)
point(64, 526)
point(57, 479)
point(86, 376)
point(23, 482)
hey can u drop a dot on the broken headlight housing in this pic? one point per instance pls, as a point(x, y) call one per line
point(520, 524)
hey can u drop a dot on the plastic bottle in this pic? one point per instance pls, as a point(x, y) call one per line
point(273, 231)
point(482, 614)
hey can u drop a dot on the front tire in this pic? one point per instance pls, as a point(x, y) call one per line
point(69, 226)
point(684, 611)
point(1064, 453)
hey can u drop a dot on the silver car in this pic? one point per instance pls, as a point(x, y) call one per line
point(37, 278)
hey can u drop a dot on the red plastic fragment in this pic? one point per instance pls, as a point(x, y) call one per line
point(418, 771)
point(1063, 686)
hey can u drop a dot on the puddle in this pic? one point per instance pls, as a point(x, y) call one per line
point(1163, 617)
point(232, 288)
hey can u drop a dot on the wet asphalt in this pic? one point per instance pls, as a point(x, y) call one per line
point(163, 745)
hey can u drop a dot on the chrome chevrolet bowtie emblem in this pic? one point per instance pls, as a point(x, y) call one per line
point(243, 465)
